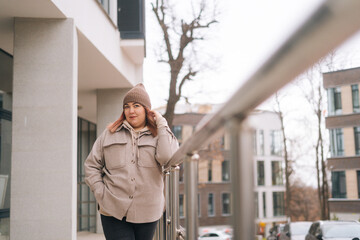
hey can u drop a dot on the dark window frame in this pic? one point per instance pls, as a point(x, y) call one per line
point(260, 173)
point(338, 181)
point(355, 98)
point(278, 204)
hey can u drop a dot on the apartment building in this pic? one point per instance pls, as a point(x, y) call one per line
point(343, 122)
point(64, 69)
point(214, 191)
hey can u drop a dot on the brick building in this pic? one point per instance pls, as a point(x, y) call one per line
point(343, 122)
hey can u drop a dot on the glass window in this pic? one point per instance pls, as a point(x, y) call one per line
point(261, 143)
point(355, 98)
point(86, 200)
point(357, 140)
point(276, 173)
point(260, 173)
point(338, 184)
point(209, 171)
point(334, 101)
point(225, 170)
point(181, 206)
point(358, 182)
point(264, 203)
point(226, 204)
point(276, 142)
point(211, 205)
point(278, 204)
point(177, 130)
point(105, 4)
point(255, 143)
point(337, 142)
point(181, 172)
point(222, 142)
point(5, 168)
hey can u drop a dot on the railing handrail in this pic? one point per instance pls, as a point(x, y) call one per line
point(313, 40)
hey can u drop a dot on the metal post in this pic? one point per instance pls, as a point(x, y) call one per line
point(160, 230)
point(168, 205)
point(174, 198)
point(242, 179)
point(191, 196)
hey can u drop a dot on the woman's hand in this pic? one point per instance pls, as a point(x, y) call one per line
point(159, 119)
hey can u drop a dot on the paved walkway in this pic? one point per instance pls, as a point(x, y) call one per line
point(90, 236)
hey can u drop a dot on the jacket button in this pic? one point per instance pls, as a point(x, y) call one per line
point(133, 161)
point(131, 197)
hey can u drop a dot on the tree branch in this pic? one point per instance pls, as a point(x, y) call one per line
point(183, 80)
point(164, 27)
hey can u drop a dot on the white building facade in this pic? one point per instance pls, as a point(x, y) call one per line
point(269, 168)
point(64, 69)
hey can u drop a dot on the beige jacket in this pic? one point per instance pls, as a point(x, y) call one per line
point(124, 170)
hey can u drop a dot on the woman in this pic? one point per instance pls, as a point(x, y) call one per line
point(124, 169)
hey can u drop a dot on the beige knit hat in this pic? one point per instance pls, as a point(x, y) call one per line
point(138, 94)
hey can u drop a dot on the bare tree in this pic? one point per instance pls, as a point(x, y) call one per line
point(315, 95)
point(178, 36)
point(288, 168)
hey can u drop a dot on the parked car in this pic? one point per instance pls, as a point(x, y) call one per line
point(334, 230)
point(215, 235)
point(298, 230)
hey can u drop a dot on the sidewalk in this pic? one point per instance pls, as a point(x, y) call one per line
point(90, 236)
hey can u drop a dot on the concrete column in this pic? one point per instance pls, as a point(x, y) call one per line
point(43, 187)
point(109, 108)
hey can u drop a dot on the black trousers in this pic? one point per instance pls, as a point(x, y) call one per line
point(115, 229)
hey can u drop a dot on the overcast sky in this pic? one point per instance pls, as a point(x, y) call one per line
point(247, 33)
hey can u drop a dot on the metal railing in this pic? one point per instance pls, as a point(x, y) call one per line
point(332, 23)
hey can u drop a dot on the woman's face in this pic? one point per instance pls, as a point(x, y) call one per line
point(135, 114)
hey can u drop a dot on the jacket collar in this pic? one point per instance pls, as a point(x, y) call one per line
point(128, 127)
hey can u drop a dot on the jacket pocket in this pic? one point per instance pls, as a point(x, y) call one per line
point(147, 150)
point(115, 153)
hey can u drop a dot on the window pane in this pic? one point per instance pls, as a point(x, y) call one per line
point(278, 203)
point(86, 201)
point(355, 98)
point(337, 98)
point(276, 173)
point(357, 140)
point(225, 199)
point(177, 130)
point(338, 184)
point(276, 142)
point(209, 171)
point(358, 182)
point(225, 170)
point(260, 173)
point(337, 142)
point(264, 203)
point(255, 143)
point(181, 205)
point(211, 210)
point(261, 142)
point(5, 165)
